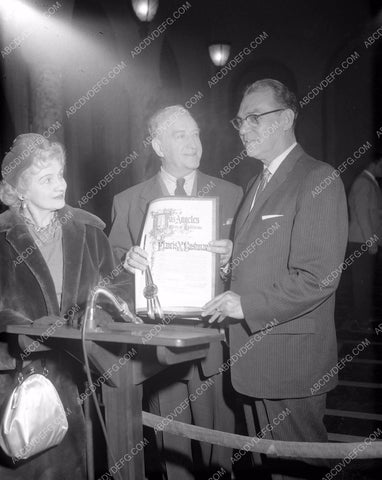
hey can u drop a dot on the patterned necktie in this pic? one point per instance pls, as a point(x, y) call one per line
point(264, 179)
point(179, 190)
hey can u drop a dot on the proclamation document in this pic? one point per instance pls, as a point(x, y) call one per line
point(176, 233)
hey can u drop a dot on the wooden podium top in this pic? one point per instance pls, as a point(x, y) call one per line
point(145, 334)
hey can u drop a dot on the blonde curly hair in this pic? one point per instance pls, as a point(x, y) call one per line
point(39, 158)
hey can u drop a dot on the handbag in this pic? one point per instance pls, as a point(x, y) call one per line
point(34, 418)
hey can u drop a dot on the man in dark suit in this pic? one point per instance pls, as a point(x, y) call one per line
point(365, 211)
point(175, 139)
point(287, 239)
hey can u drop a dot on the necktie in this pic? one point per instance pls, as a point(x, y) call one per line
point(264, 179)
point(179, 190)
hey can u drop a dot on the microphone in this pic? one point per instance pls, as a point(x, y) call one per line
point(118, 302)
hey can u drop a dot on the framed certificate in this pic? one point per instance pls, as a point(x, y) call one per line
point(176, 234)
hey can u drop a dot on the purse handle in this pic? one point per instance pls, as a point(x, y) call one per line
point(22, 375)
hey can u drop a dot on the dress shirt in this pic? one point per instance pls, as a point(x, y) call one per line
point(274, 165)
point(170, 181)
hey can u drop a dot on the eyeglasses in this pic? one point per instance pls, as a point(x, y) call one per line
point(252, 119)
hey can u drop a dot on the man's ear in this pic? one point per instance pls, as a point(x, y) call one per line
point(157, 146)
point(289, 117)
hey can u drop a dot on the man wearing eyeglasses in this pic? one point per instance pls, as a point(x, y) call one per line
point(287, 240)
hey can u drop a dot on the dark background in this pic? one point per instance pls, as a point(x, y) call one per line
point(306, 41)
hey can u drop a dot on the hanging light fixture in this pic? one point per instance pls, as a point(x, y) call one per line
point(219, 53)
point(145, 10)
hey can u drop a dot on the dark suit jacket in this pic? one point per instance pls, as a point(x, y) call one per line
point(280, 263)
point(365, 209)
point(129, 209)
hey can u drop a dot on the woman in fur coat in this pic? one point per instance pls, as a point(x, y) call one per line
point(51, 256)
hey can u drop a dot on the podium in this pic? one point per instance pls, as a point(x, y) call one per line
point(155, 347)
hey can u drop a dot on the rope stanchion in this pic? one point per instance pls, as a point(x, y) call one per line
point(372, 449)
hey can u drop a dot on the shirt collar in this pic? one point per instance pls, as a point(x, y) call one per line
point(274, 165)
point(170, 181)
point(371, 176)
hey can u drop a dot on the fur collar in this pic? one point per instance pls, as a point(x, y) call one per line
point(10, 219)
point(74, 222)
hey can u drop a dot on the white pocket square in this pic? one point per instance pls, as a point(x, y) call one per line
point(265, 217)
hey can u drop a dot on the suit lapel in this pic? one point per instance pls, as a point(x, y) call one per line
point(244, 210)
point(21, 240)
point(151, 191)
point(198, 183)
point(201, 180)
point(277, 179)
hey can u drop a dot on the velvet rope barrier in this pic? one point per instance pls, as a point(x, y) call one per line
point(372, 449)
